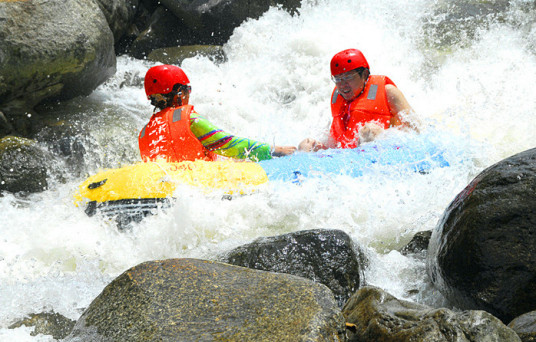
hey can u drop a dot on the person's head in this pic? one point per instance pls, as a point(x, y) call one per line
point(167, 86)
point(350, 71)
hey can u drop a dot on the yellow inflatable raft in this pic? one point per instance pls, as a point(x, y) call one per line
point(133, 191)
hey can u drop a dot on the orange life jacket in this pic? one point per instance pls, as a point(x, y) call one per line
point(370, 105)
point(168, 136)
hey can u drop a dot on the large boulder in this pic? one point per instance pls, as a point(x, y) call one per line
point(51, 49)
point(481, 254)
point(329, 257)
point(375, 315)
point(197, 300)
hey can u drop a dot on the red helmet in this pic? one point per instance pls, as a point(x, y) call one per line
point(160, 79)
point(347, 60)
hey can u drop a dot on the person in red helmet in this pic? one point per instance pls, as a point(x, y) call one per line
point(178, 133)
point(362, 105)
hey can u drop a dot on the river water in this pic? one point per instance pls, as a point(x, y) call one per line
point(474, 96)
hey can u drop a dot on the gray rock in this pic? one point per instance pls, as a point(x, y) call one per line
point(375, 315)
point(120, 15)
point(329, 257)
point(164, 30)
point(52, 49)
point(481, 254)
point(418, 244)
point(22, 165)
point(525, 326)
point(215, 20)
point(199, 22)
point(6, 127)
point(141, 22)
point(64, 140)
point(197, 300)
point(457, 22)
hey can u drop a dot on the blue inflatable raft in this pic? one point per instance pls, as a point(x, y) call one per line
point(411, 156)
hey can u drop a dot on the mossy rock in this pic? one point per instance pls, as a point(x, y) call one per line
point(199, 300)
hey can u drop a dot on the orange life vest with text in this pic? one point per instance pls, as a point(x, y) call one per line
point(168, 136)
point(370, 105)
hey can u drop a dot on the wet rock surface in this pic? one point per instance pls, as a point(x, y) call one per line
point(481, 253)
point(418, 244)
point(525, 326)
point(23, 165)
point(375, 315)
point(43, 60)
point(329, 257)
point(47, 323)
point(209, 301)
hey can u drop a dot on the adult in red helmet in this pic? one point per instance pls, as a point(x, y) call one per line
point(362, 105)
point(178, 133)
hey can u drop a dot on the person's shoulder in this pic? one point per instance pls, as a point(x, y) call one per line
point(383, 79)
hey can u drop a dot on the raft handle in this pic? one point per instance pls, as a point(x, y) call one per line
point(97, 184)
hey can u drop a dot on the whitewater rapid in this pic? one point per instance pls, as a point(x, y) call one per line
point(475, 98)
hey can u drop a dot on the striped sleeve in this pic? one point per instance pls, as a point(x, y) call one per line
point(225, 144)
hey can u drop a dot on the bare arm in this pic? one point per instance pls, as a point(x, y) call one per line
point(399, 105)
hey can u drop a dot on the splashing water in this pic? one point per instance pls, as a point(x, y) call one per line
point(474, 97)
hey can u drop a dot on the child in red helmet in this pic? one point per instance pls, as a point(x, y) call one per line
point(178, 133)
point(362, 105)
